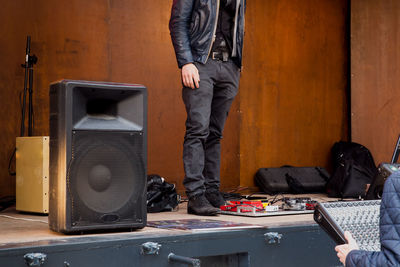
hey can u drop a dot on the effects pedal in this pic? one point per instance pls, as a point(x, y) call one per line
point(245, 206)
point(304, 203)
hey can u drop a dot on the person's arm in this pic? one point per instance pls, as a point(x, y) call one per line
point(350, 255)
point(190, 76)
point(362, 258)
point(343, 250)
point(389, 228)
point(179, 23)
point(181, 14)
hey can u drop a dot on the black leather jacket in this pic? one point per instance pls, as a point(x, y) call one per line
point(193, 24)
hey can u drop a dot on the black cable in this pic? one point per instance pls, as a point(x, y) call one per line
point(231, 196)
point(12, 173)
point(274, 200)
point(250, 197)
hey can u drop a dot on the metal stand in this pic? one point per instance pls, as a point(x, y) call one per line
point(28, 66)
point(396, 152)
point(29, 62)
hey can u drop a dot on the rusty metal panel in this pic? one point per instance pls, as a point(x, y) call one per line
point(375, 75)
point(120, 41)
point(70, 40)
point(291, 105)
point(293, 89)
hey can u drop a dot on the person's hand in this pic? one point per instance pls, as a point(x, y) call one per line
point(190, 76)
point(343, 250)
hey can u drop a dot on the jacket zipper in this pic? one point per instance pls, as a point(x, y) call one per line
point(235, 29)
point(214, 31)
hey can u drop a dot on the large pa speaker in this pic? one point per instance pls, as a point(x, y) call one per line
point(98, 156)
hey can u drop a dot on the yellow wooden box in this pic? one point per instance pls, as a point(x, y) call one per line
point(32, 174)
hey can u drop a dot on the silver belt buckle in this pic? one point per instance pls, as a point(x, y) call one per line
point(225, 56)
point(215, 56)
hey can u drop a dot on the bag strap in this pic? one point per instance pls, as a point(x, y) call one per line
point(324, 175)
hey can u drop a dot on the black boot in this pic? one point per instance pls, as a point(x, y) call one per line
point(215, 198)
point(199, 205)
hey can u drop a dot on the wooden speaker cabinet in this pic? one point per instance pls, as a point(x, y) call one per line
point(32, 174)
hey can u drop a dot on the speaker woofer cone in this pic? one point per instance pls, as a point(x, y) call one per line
point(105, 172)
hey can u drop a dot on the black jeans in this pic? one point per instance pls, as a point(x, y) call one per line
point(207, 108)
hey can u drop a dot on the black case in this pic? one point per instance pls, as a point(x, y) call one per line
point(291, 180)
point(375, 190)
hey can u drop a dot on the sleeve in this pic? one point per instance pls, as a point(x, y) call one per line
point(362, 258)
point(179, 23)
point(389, 227)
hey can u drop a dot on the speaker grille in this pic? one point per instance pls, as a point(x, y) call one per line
point(106, 178)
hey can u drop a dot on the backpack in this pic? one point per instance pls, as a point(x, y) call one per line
point(161, 196)
point(353, 169)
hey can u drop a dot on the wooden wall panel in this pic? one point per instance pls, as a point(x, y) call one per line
point(293, 93)
point(69, 43)
point(121, 41)
point(375, 75)
point(291, 105)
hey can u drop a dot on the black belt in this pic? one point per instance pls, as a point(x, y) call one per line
point(223, 56)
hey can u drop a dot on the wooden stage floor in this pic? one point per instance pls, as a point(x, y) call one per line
point(19, 227)
point(285, 240)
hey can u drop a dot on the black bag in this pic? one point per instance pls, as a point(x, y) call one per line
point(354, 168)
point(288, 179)
point(161, 196)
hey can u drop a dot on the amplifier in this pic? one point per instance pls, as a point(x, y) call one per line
point(384, 171)
point(360, 218)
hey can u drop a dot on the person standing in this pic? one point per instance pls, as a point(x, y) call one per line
point(207, 36)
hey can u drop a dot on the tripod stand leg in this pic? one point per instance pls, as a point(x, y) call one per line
point(30, 113)
point(24, 103)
